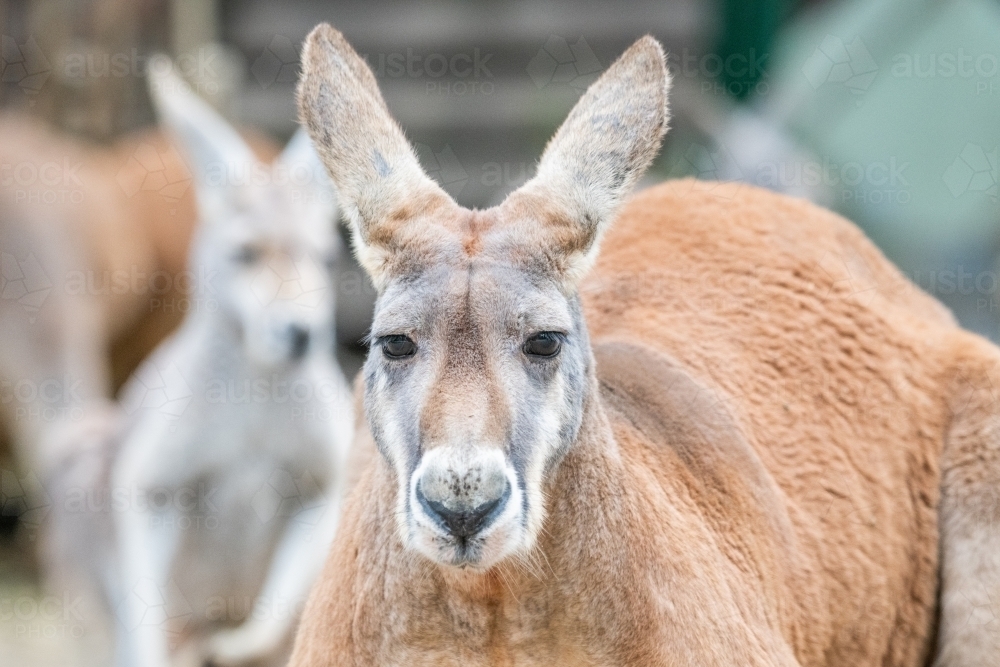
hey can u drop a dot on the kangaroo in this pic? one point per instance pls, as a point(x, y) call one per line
point(734, 438)
point(221, 493)
point(92, 260)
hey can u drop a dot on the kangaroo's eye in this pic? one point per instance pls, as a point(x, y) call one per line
point(248, 254)
point(398, 347)
point(544, 344)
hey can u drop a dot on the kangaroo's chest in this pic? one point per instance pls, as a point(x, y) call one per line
point(528, 635)
point(236, 426)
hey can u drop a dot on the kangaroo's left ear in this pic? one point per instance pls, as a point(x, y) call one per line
point(307, 176)
point(596, 157)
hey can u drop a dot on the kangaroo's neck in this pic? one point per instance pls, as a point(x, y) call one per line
point(540, 603)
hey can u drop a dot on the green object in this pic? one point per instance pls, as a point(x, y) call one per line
point(748, 31)
point(899, 102)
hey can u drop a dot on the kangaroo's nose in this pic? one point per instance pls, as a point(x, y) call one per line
point(458, 518)
point(300, 340)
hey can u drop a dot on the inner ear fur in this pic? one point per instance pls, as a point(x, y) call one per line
point(378, 178)
point(596, 157)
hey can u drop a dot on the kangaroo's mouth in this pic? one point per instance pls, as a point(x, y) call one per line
point(457, 531)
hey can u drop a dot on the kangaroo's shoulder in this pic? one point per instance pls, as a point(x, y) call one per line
point(662, 408)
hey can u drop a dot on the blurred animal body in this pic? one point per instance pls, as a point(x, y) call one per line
point(68, 231)
point(749, 453)
point(220, 495)
point(93, 268)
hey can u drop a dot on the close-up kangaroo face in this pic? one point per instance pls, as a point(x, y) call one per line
point(480, 366)
point(475, 387)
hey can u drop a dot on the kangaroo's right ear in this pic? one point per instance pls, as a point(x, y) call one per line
point(380, 184)
point(215, 152)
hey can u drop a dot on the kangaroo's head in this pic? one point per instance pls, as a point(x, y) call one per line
point(480, 365)
point(266, 244)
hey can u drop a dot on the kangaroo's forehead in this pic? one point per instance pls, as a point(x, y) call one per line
point(477, 293)
point(443, 234)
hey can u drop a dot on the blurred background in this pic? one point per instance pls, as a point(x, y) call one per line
point(886, 111)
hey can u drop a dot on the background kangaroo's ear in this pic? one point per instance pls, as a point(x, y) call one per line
point(216, 154)
point(307, 175)
point(596, 157)
point(380, 184)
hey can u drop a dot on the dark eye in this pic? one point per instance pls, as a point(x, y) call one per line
point(248, 254)
point(544, 344)
point(398, 347)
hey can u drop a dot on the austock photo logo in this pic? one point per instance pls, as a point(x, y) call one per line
point(444, 167)
point(182, 291)
point(281, 279)
point(201, 69)
point(744, 72)
point(37, 616)
point(460, 73)
point(277, 63)
point(26, 66)
point(23, 497)
point(974, 170)
point(23, 65)
point(24, 281)
point(839, 62)
point(149, 604)
point(48, 400)
point(979, 68)
point(875, 182)
point(150, 170)
point(50, 182)
point(299, 499)
point(561, 63)
point(713, 164)
point(159, 387)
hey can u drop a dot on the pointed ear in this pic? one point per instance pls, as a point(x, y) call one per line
point(380, 185)
point(306, 174)
point(216, 154)
point(598, 154)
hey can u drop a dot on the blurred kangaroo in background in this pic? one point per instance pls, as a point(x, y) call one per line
point(218, 498)
point(93, 262)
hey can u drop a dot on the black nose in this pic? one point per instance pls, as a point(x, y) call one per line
point(462, 522)
point(300, 340)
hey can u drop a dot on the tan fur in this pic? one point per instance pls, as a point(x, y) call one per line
point(756, 479)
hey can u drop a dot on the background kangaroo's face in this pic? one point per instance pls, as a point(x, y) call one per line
point(478, 373)
point(267, 243)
